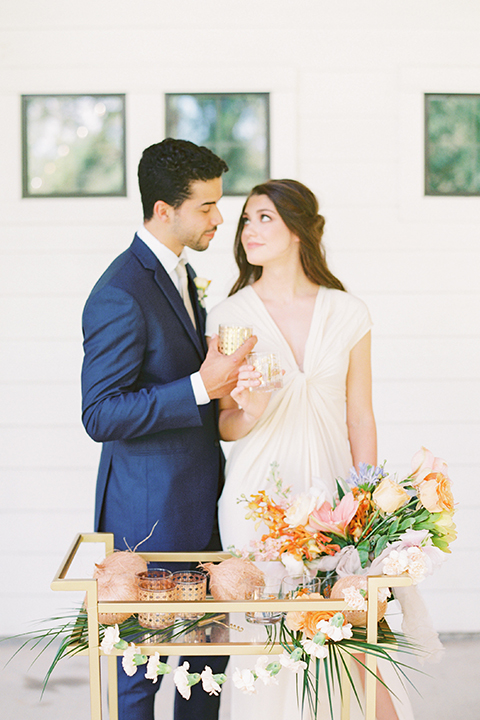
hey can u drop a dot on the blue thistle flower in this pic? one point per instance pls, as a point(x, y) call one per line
point(367, 475)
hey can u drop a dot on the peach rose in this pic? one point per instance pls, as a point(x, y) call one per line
point(435, 493)
point(307, 621)
point(424, 462)
point(389, 496)
point(313, 618)
point(295, 620)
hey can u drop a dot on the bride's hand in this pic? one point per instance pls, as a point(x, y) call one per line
point(251, 402)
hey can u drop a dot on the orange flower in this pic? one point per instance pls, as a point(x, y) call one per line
point(307, 621)
point(435, 493)
point(300, 543)
point(297, 541)
point(313, 618)
point(361, 517)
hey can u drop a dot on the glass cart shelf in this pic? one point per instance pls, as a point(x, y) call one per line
point(226, 642)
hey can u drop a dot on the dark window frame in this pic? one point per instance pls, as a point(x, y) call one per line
point(26, 191)
point(265, 95)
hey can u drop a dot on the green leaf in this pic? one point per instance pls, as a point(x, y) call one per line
point(363, 549)
point(193, 679)
point(121, 645)
point(380, 545)
point(163, 668)
point(140, 659)
point(439, 543)
point(424, 526)
point(393, 526)
point(273, 668)
point(220, 678)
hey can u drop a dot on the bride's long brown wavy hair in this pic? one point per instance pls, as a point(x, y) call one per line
point(298, 208)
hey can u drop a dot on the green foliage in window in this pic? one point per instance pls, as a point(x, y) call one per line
point(452, 145)
point(234, 126)
point(73, 145)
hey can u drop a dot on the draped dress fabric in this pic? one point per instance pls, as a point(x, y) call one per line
point(304, 430)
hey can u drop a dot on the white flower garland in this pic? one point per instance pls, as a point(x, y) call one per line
point(266, 669)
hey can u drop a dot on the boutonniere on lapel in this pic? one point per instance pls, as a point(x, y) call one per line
point(202, 286)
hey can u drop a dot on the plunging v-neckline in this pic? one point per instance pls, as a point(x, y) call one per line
point(301, 368)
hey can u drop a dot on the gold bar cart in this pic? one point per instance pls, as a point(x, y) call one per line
point(94, 652)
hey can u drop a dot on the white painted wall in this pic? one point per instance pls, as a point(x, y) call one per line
point(346, 80)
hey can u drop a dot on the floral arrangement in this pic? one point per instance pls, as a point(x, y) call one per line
point(375, 525)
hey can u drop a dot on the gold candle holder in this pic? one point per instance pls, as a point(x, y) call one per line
point(156, 585)
point(230, 337)
point(190, 585)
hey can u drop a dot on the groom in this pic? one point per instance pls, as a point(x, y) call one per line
point(149, 386)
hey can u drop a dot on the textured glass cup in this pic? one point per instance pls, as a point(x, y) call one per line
point(156, 585)
point(190, 585)
point(269, 591)
point(292, 587)
point(269, 365)
point(230, 337)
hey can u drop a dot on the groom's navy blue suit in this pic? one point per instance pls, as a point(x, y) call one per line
point(161, 458)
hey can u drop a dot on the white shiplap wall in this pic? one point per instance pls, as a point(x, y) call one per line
point(346, 82)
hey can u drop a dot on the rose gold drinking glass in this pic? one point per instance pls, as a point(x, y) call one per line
point(230, 337)
point(156, 585)
point(190, 585)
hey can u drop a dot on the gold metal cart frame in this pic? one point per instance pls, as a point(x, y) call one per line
point(94, 652)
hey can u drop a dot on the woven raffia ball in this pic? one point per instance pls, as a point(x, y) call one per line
point(116, 580)
point(233, 579)
point(358, 618)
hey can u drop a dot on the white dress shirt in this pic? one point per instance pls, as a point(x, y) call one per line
point(169, 261)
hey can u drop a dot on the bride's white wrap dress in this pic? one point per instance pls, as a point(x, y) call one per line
point(303, 429)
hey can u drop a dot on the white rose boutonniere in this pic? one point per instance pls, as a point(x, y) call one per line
point(202, 286)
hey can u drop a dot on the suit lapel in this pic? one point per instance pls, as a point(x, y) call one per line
point(165, 284)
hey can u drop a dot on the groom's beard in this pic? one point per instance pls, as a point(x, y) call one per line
point(203, 241)
point(192, 238)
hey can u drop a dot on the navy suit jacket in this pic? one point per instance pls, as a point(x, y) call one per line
point(161, 458)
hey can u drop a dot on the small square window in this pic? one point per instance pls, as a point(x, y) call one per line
point(234, 126)
point(73, 145)
point(452, 144)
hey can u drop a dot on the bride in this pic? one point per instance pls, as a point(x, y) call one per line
point(321, 422)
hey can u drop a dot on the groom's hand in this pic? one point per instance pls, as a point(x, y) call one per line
point(220, 372)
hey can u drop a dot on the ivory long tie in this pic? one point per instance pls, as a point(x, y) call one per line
point(181, 271)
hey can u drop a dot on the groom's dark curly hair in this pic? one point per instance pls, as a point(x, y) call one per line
point(168, 168)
